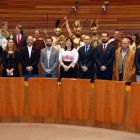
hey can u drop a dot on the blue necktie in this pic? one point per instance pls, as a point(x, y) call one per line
point(86, 50)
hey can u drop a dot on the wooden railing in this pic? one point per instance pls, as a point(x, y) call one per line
point(105, 104)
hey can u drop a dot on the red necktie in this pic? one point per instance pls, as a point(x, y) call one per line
point(18, 40)
point(104, 49)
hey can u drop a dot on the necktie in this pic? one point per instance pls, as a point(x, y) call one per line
point(18, 40)
point(86, 50)
point(104, 49)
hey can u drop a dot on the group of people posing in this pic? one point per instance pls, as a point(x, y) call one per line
point(79, 56)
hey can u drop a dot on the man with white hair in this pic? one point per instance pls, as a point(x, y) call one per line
point(124, 68)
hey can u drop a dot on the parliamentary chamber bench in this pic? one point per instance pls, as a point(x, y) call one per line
point(104, 104)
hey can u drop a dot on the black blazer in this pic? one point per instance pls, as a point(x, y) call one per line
point(1, 52)
point(87, 59)
point(26, 61)
point(22, 43)
point(5, 63)
point(106, 59)
point(137, 61)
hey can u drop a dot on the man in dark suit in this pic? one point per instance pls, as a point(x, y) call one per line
point(86, 60)
point(137, 63)
point(104, 57)
point(19, 38)
point(29, 58)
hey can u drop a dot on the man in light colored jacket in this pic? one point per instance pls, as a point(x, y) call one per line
point(49, 59)
point(124, 68)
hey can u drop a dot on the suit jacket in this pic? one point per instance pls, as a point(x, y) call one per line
point(129, 70)
point(1, 52)
point(87, 59)
point(53, 61)
point(15, 63)
point(106, 59)
point(32, 61)
point(137, 61)
point(22, 43)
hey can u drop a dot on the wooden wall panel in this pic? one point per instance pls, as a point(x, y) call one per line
point(135, 104)
point(126, 126)
point(123, 15)
point(75, 98)
point(42, 97)
point(12, 96)
point(109, 101)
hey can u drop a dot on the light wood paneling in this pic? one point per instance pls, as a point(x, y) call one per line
point(125, 126)
point(123, 15)
point(43, 97)
point(75, 97)
point(135, 104)
point(12, 96)
point(109, 101)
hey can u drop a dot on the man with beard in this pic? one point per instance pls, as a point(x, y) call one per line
point(38, 41)
point(116, 41)
point(29, 58)
point(95, 39)
point(78, 37)
point(104, 57)
point(58, 36)
point(49, 59)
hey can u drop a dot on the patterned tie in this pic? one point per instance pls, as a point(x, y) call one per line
point(18, 40)
point(104, 49)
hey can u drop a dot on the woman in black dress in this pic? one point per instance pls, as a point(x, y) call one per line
point(10, 60)
point(68, 58)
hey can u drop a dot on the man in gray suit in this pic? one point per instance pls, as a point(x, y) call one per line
point(49, 59)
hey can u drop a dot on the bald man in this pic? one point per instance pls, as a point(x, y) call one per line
point(86, 60)
point(29, 58)
point(124, 68)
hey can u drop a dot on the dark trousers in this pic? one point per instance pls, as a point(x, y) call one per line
point(88, 75)
point(71, 73)
point(104, 76)
point(121, 77)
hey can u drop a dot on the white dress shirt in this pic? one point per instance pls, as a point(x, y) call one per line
point(105, 45)
point(20, 35)
point(29, 51)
